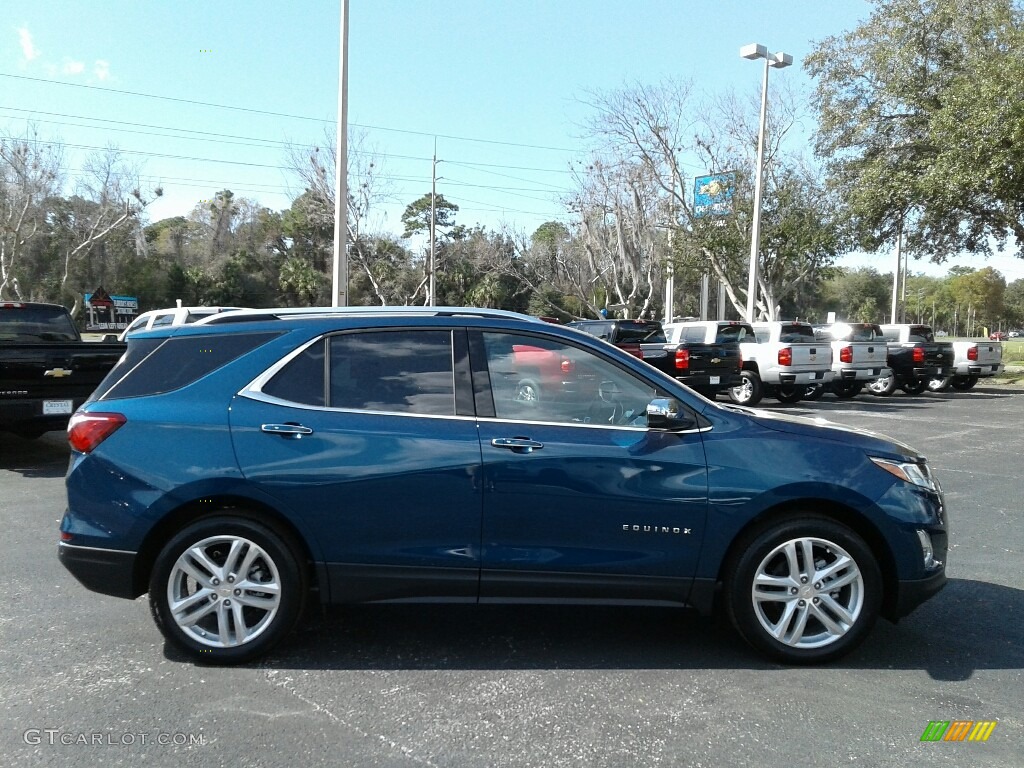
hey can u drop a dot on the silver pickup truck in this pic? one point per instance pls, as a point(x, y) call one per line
point(972, 360)
point(784, 361)
point(859, 354)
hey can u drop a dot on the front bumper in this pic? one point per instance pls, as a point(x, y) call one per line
point(911, 594)
point(107, 571)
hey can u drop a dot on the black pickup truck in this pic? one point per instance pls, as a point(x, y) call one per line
point(46, 370)
point(702, 357)
point(915, 358)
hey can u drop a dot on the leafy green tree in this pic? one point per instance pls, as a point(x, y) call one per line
point(920, 115)
point(416, 216)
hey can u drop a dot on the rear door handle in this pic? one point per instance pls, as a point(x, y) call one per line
point(290, 431)
point(517, 444)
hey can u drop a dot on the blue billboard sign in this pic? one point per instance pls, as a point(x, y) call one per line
point(712, 195)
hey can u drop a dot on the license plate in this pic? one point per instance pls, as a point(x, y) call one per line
point(715, 379)
point(56, 407)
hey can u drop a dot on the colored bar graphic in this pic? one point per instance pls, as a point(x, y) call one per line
point(958, 730)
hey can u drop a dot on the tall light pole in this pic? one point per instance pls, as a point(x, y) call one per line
point(777, 60)
point(339, 287)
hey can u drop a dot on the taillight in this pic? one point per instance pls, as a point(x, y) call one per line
point(785, 356)
point(918, 355)
point(567, 365)
point(87, 430)
point(682, 359)
point(972, 353)
point(846, 355)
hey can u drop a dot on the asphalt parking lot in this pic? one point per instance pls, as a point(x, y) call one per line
point(86, 679)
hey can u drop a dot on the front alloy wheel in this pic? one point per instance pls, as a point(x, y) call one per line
point(806, 590)
point(226, 589)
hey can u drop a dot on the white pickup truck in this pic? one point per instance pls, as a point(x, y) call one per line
point(784, 361)
point(859, 354)
point(972, 360)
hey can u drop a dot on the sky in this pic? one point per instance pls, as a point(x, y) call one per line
point(204, 96)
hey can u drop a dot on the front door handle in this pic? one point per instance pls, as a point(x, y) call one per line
point(517, 444)
point(290, 431)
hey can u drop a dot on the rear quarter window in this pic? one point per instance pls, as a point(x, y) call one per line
point(154, 366)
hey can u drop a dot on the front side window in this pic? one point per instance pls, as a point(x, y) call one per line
point(539, 379)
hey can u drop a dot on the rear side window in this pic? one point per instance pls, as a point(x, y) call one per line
point(176, 362)
point(403, 371)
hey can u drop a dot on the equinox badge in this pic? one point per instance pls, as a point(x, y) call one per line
point(654, 529)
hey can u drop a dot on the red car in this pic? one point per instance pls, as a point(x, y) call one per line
point(998, 336)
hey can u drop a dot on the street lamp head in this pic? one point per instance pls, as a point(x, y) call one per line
point(754, 51)
point(780, 60)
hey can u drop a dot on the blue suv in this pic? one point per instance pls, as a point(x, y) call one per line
point(245, 466)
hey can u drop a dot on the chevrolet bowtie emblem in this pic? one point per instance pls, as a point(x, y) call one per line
point(57, 373)
point(716, 360)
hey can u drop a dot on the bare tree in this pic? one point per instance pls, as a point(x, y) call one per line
point(31, 172)
point(113, 199)
point(314, 166)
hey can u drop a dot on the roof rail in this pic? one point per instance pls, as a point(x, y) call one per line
point(280, 313)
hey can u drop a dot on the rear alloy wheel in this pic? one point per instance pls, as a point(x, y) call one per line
point(814, 392)
point(883, 386)
point(914, 386)
point(963, 383)
point(939, 383)
point(749, 392)
point(846, 389)
point(806, 590)
point(790, 394)
point(527, 391)
point(226, 589)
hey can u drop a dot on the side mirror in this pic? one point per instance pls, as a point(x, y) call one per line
point(668, 414)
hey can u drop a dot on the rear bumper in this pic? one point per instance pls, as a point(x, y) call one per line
point(804, 377)
point(703, 382)
point(989, 369)
point(107, 571)
point(862, 374)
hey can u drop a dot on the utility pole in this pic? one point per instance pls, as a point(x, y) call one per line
point(433, 223)
point(339, 287)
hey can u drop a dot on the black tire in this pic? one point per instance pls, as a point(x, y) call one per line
point(846, 390)
point(939, 383)
point(963, 383)
point(790, 394)
point(270, 558)
point(883, 386)
point(914, 386)
point(813, 641)
point(814, 392)
point(749, 392)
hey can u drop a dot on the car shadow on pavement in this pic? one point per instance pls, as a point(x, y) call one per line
point(44, 457)
point(970, 625)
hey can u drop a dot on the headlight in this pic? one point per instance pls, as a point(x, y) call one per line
point(909, 472)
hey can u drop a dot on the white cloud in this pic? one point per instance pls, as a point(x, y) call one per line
point(72, 67)
point(101, 69)
point(28, 48)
